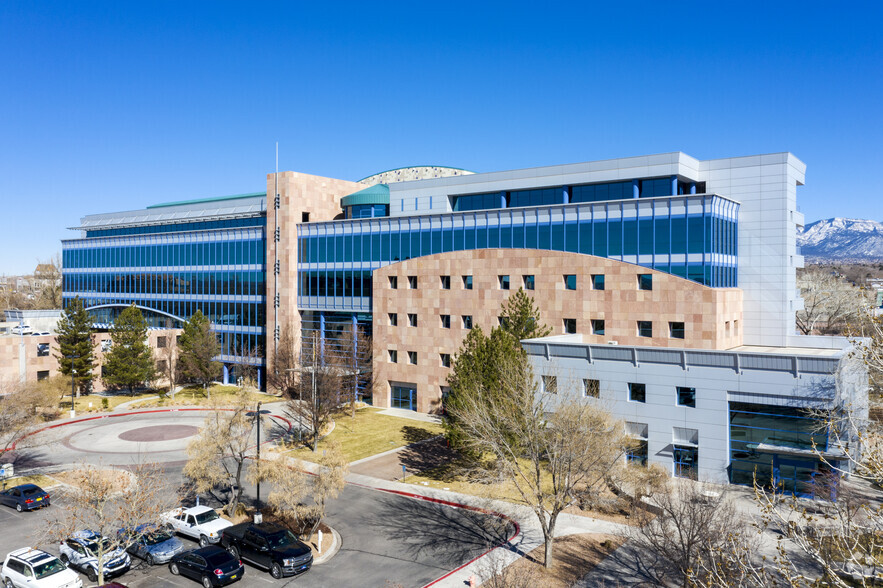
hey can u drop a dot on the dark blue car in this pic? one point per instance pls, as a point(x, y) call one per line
point(24, 497)
point(211, 566)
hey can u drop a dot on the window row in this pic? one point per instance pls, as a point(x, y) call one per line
point(211, 283)
point(664, 236)
point(258, 221)
point(219, 313)
point(444, 359)
point(644, 188)
point(694, 234)
point(240, 252)
point(528, 282)
point(684, 396)
point(346, 283)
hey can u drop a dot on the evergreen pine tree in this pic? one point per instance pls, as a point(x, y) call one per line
point(480, 366)
point(74, 336)
point(130, 361)
point(197, 349)
point(521, 318)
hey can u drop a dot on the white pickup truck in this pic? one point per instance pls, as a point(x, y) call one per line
point(197, 522)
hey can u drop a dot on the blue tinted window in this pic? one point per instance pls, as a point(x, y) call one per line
point(540, 197)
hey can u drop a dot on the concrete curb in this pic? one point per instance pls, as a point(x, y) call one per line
point(152, 410)
point(332, 551)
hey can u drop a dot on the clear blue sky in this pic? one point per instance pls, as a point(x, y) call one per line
point(109, 106)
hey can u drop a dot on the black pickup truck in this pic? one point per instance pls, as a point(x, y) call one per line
point(268, 546)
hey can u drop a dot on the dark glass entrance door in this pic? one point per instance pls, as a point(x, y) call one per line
point(404, 397)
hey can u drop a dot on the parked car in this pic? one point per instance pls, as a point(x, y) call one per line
point(36, 334)
point(21, 330)
point(197, 522)
point(153, 544)
point(32, 568)
point(113, 585)
point(24, 497)
point(80, 551)
point(268, 546)
point(212, 566)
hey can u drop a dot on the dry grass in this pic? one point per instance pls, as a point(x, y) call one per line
point(369, 433)
point(217, 395)
point(574, 557)
point(39, 479)
point(119, 479)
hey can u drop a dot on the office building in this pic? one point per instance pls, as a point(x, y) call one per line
point(664, 254)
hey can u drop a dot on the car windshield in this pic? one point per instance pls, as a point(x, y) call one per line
point(206, 517)
point(53, 566)
point(156, 537)
point(93, 545)
point(281, 539)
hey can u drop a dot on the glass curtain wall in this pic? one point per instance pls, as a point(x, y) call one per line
point(170, 276)
point(776, 444)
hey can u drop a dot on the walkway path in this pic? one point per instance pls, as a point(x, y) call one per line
point(526, 537)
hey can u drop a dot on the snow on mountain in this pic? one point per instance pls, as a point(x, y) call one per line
point(842, 239)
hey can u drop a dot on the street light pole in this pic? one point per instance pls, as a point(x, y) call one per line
point(258, 419)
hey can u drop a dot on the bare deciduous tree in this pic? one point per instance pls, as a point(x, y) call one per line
point(548, 453)
point(688, 523)
point(829, 303)
point(317, 391)
point(282, 375)
point(22, 407)
point(217, 455)
point(96, 501)
point(291, 487)
point(354, 349)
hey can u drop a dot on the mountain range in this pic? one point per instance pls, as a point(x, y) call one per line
point(842, 239)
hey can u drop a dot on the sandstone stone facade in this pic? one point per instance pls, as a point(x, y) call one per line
point(302, 198)
point(711, 317)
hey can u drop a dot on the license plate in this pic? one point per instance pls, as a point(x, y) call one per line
point(233, 577)
point(39, 499)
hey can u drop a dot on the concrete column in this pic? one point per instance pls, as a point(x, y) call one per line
point(226, 374)
point(692, 187)
point(636, 190)
point(674, 185)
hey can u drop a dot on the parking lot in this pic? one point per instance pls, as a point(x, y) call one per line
point(386, 538)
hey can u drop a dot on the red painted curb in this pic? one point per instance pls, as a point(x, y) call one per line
point(130, 413)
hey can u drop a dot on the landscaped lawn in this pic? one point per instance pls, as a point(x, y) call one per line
point(370, 433)
point(195, 396)
point(97, 402)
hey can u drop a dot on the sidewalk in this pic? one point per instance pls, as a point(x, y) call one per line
point(526, 536)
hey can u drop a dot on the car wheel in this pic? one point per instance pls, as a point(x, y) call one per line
point(276, 571)
point(149, 560)
point(8, 583)
point(18, 507)
point(207, 582)
point(65, 560)
point(203, 541)
point(173, 567)
point(92, 574)
point(232, 550)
